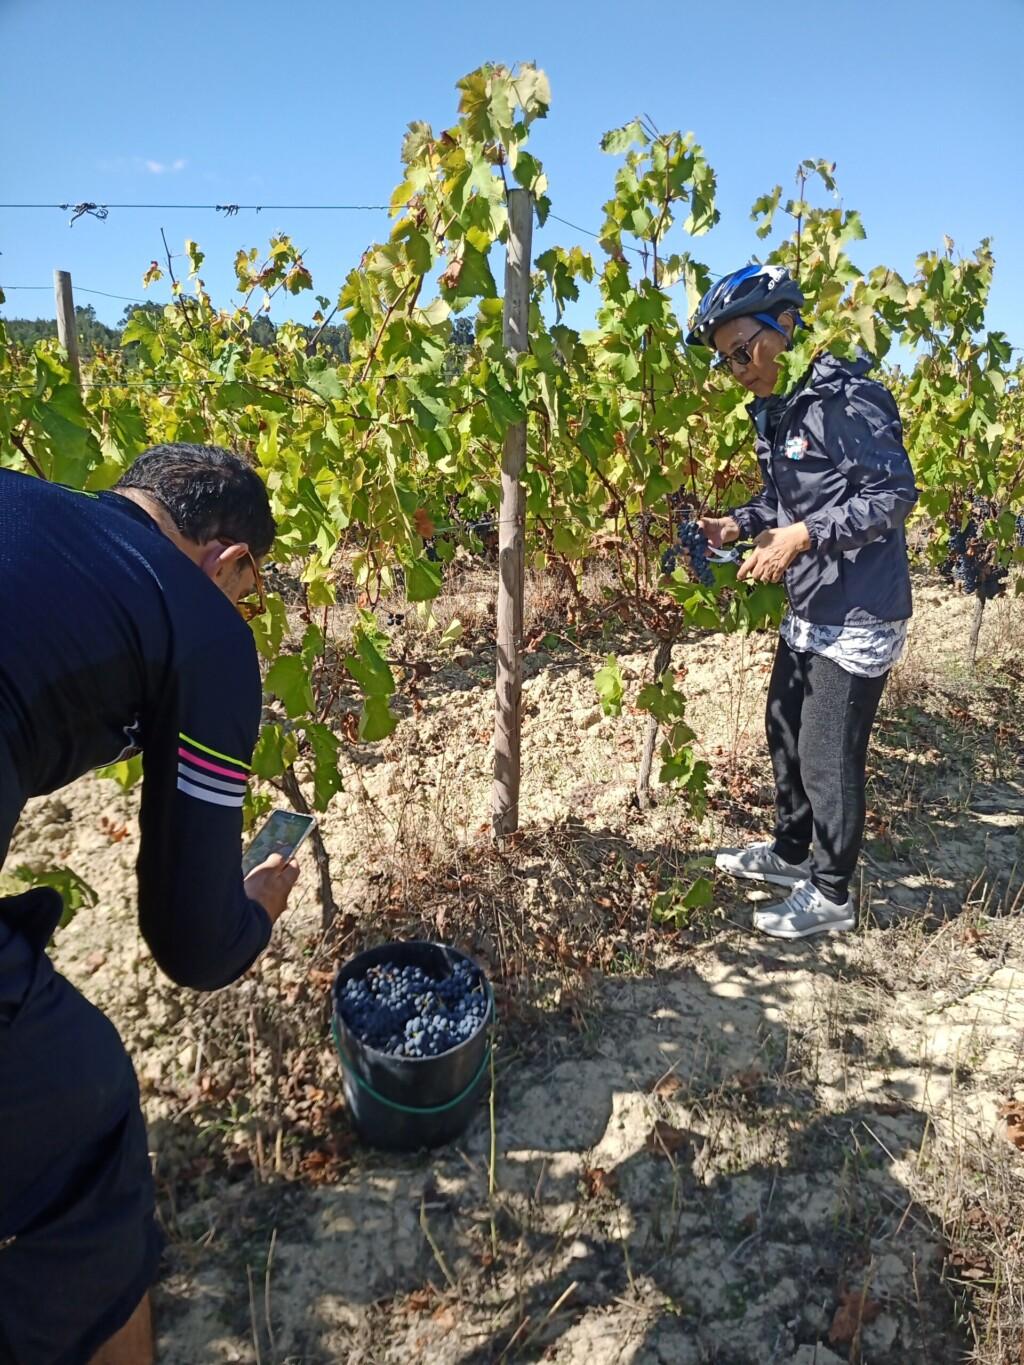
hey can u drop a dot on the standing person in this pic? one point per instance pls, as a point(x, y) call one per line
point(121, 628)
point(829, 523)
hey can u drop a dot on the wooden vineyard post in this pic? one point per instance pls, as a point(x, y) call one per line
point(67, 331)
point(976, 616)
point(511, 534)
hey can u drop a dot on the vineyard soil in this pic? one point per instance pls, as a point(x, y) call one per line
point(709, 1147)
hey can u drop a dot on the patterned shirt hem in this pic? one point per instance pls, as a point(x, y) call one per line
point(866, 650)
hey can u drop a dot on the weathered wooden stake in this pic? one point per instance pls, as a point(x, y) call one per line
point(67, 331)
point(976, 616)
point(511, 535)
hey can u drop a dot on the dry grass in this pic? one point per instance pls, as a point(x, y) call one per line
point(709, 1148)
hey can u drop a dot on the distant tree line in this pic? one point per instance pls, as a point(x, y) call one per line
point(94, 336)
point(331, 341)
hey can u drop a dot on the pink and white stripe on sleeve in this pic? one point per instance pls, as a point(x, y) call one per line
point(208, 775)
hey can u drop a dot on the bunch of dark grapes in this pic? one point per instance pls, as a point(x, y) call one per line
point(692, 539)
point(1019, 524)
point(408, 1013)
point(430, 551)
point(969, 563)
point(690, 544)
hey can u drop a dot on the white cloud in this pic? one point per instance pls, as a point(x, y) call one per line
point(165, 167)
point(119, 165)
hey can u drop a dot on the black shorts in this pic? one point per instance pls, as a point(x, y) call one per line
point(79, 1245)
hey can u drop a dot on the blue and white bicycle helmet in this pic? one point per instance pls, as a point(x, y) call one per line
point(755, 291)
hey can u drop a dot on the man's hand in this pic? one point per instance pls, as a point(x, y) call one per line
point(719, 530)
point(270, 883)
point(774, 551)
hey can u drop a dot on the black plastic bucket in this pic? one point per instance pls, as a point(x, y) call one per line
point(405, 1103)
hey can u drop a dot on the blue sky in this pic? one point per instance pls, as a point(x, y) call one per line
point(223, 102)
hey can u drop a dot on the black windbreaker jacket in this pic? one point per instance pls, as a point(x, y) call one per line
point(111, 640)
point(836, 462)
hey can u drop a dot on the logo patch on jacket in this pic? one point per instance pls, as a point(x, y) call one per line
point(796, 448)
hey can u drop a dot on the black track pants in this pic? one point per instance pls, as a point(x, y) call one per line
point(818, 724)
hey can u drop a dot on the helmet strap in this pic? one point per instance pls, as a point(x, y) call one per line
point(771, 322)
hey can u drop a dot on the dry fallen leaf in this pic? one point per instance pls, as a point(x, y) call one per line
point(748, 1080)
point(215, 1088)
point(667, 1140)
point(599, 1182)
point(1012, 1114)
point(855, 1309)
point(420, 1300)
point(666, 1085)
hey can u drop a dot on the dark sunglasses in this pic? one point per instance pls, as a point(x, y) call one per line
point(741, 356)
point(248, 608)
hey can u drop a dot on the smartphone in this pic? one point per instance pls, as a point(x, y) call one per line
point(283, 832)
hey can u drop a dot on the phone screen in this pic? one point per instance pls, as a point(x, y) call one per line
point(283, 833)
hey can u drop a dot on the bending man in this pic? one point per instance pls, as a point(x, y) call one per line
point(121, 628)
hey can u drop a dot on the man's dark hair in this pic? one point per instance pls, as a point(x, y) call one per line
point(209, 494)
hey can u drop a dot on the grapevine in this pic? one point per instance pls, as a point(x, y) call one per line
point(383, 458)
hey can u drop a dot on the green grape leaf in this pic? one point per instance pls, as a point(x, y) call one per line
point(288, 680)
point(74, 891)
point(327, 780)
point(369, 668)
point(503, 406)
point(276, 750)
point(422, 580)
point(323, 379)
point(619, 140)
point(126, 773)
point(269, 627)
point(609, 685)
point(375, 721)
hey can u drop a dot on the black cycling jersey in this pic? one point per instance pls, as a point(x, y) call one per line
point(112, 640)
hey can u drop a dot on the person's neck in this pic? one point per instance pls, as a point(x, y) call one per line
point(162, 517)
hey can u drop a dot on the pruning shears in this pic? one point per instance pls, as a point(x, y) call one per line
point(730, 555)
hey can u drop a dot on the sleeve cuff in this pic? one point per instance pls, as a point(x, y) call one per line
point(266, 926)
point(815, 529)
point(741, 516)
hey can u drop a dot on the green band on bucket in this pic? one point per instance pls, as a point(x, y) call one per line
point(349, 1067)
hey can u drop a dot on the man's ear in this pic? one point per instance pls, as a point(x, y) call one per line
point(787, 322)
point(218, 558)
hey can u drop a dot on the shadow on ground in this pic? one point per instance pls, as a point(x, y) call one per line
point(672, 1190)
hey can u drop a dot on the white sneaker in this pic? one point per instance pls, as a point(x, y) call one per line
point(805, 911)
point(760, 863)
